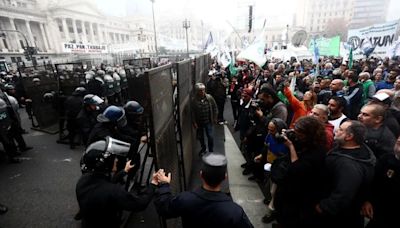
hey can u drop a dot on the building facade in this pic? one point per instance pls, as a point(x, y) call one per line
point(64, 27)
point(335, 17)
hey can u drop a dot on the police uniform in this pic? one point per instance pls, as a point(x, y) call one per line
point(202, 208)
point(101, 200)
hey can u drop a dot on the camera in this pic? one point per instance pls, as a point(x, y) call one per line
point(255, 103)
point(290, 134)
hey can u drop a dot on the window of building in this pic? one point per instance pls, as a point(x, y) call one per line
point(13, 59)
point(19, 59)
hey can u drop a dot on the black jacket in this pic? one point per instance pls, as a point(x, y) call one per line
point(201, 208)
point(73, 106)
point(354, 101)
point(86, 121)
point(297, 195)
point(349, 176)
point(385, 192)
point(102, 201)
point(381, 141)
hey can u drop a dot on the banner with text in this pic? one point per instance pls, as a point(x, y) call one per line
point(84, 48)
point(381, 36)
point(327, 46)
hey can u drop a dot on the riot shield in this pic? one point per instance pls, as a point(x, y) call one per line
point(40, 86)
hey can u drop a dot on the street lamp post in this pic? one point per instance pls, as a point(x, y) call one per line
point(186, 25)
point(154, 27)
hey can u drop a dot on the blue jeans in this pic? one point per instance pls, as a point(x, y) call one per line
point(209, 129)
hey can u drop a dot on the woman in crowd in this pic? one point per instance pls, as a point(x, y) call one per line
point(297, 194)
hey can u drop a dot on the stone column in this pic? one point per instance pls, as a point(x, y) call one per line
point(91, 33)
point(75, 30)
point(85, 40)
point(66, 31)
point(16, 41)
point(46, 46)
point(28, 27)
point(100, 33)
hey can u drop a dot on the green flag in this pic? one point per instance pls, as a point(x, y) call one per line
point(232, 67)
point(351, 58)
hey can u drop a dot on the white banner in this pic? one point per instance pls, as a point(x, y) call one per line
point(382, 36)
point(83, 48)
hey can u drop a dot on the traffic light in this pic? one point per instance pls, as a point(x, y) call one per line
point(27, 54)
point(29, 51)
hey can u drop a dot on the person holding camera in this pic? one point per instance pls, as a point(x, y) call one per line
point(298, 190)
point(274, 148)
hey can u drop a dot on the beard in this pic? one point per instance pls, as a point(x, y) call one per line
point(339, 141)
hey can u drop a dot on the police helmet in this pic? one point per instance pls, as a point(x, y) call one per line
point(133, 107)
point(99, 156)
point(79, 91)
point(122, 73)
point(101, 72)
point(48, 97)
point(9, 86)
point(116, 77)
point(108, 78)
point(3, 104)
point(88, 77)
point(91, 99)
point(35, 80)
point(13, 102)
point(113, 114)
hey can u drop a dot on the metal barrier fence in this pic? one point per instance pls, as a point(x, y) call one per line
point(43, 95)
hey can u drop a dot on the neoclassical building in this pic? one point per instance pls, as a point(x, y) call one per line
point(60, 28)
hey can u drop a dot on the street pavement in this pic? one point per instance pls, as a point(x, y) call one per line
point(40, 191)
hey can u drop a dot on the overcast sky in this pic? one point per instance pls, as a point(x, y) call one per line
point(279, 12)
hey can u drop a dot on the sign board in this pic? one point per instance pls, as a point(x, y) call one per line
point(382, 36)
point(299, 38)
point(327, 46)
point(83, 48)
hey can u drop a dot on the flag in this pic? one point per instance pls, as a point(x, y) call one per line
point(209, 42)
point(394, 50)
point(367, 47)
point(232, 67)
point(351, 58)
point(225, 58)
point(256, 51)
point(315, 52)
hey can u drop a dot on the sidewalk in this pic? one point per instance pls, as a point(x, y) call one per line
point(244, 192)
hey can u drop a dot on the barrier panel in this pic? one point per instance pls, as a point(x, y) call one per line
point(43, 94)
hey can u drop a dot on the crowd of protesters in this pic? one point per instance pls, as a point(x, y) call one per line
point(322, 137)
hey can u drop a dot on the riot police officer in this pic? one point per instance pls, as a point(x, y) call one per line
point(95, 83)
point(117, 88)
point(86, 118)
point(5, 137)
point(100, 200)
point(110, 123)
point(73, 106)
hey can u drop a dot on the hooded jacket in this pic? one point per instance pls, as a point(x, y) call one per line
point(349, 175)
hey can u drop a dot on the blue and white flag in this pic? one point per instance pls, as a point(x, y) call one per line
point(367, 47)
point(315, 52)
point(394, 50)
point(210, 41)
